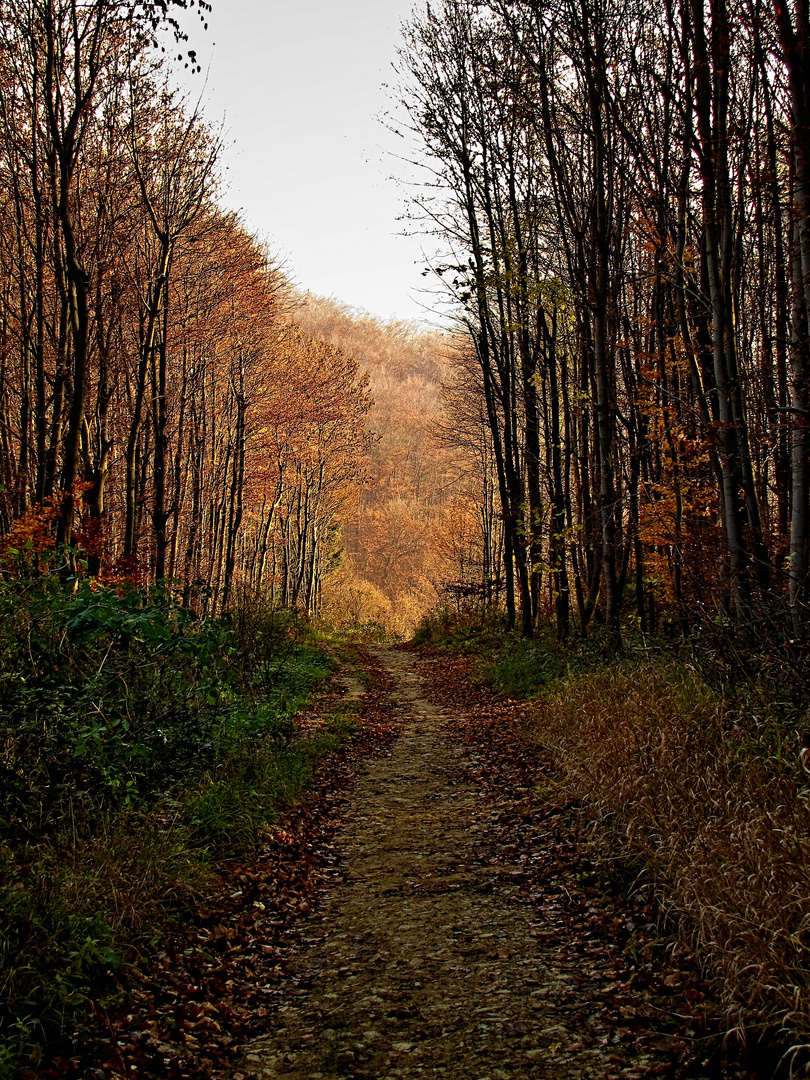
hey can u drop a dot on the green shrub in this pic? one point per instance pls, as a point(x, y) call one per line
point(525, 667)
point(137, 743)
point(446, 628)
point(108, 696)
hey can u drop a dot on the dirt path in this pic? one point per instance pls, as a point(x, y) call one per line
point(424, 959)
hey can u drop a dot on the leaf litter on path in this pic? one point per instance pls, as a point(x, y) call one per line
point(420, 912)
point(458, 941)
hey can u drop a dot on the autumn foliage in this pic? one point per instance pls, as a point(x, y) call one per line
point(159, 413)
point(622, 194)
point(394, 565)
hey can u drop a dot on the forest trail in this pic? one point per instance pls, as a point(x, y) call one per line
point(426, 958)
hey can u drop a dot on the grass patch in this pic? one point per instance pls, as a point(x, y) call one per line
point(507, 663)
point(522, 668)
point(445, 628)
point(708, 793)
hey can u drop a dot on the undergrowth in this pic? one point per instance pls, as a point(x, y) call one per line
point(509, 664)
point(698, 779)
point(139, 745)
point(709, 790)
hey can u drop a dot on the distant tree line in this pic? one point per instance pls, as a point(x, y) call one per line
point(624, 191)
point(160, 416)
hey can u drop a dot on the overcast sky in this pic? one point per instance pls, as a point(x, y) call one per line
point(300, 84)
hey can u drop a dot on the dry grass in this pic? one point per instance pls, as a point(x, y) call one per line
point(715, 797)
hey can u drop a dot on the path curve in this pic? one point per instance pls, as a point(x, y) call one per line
point(424, 961)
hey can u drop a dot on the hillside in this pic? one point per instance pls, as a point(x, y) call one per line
point(392, 565)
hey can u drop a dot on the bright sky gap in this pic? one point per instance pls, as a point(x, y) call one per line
point(309, 161)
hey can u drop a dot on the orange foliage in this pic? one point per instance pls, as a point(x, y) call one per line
point(393, 566)
point(34, 533)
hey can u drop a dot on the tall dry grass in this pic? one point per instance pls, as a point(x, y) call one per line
point(713, 794)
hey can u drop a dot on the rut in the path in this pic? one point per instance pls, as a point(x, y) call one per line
point(423, 961)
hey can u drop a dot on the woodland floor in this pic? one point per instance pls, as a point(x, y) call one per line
point(427, 911)
point(432, 953)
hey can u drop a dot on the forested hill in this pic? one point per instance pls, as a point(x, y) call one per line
point(395, 530)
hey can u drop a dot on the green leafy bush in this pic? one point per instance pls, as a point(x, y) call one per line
point(108, 696)
point(138, 742)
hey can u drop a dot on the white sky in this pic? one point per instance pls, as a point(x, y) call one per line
point(300, 86)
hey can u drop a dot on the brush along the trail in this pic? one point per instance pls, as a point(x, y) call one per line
point(599, 901)
point(205, 983)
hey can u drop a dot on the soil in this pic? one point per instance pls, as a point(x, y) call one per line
point(428, 955)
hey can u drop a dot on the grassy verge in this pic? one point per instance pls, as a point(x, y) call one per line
point(139, 746)
point(507, 663)
point(701, 789)
point(709, 791)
